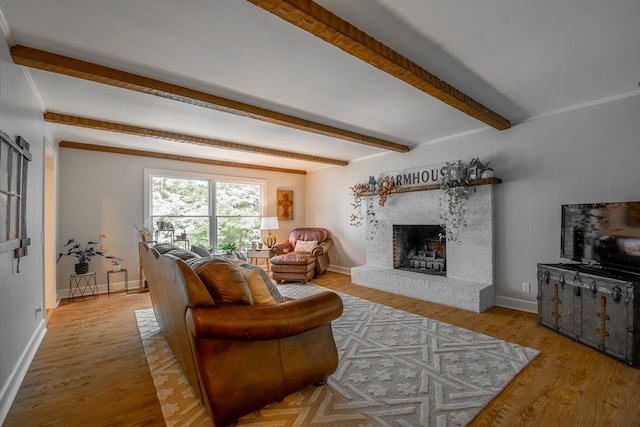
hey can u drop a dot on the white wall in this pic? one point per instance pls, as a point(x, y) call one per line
point(590, 154)
point(102, 193)
point(21, 327)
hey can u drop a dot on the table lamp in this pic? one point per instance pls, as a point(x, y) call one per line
point(269, 223)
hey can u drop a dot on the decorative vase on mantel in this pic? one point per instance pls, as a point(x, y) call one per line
point(372, 184)
point(82, 268)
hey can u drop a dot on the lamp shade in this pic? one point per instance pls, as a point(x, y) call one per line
point(269, 223)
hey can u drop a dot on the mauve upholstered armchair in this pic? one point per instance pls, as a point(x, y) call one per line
point(303, 256)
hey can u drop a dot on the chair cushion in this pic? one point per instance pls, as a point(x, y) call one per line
point(305, 246)
point(293, 258)
point(225, 281)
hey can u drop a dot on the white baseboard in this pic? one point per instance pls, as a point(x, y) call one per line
point(10, 389)
point(339, 269)
point(517, 304)
point(102, 289)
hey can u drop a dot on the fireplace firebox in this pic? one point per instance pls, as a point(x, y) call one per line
point(420, 249)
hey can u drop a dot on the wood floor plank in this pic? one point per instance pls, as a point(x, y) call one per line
point(91, 368)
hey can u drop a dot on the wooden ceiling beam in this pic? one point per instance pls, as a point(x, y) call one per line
point(65, 119)
point(35, 58)
point(323, 24)
point(156, 155)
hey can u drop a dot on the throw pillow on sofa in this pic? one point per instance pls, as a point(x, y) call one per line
point(163, 248)
point(201, 250)
point(259, 290)
point(273, 289)
point(184, 255)
point(305, 246)
point(225, 281)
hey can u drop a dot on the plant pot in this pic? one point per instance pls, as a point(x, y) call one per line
point(81, 268)
point(116, 267)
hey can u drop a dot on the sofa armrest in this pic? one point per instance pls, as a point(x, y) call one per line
point(264, 322)
point(282, 248)
point(322, 248)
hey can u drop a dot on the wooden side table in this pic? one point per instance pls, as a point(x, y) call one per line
point(84, 284)
point(266, 254)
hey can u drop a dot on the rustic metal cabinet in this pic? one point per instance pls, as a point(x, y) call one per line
point(599, 308)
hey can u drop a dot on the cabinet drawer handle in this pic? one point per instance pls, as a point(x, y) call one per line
point(593, 287)
point(577, 278)
point(617, 294)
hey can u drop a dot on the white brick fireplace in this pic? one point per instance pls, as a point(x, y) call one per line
point(470, 264)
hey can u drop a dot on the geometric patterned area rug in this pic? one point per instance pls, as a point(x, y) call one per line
point(395, 369)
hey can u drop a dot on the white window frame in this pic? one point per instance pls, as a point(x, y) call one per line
point(213, 179)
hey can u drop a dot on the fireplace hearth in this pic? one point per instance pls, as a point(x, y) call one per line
point(469, 266)
point(420, 249)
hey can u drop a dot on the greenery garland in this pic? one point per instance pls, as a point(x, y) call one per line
point(359, 191)
point(453, 210)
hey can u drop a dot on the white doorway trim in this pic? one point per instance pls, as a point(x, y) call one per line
point(49, 226)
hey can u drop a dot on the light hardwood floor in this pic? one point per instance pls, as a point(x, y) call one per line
point(91, 369)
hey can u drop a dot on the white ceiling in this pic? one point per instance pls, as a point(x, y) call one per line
point(521, 58)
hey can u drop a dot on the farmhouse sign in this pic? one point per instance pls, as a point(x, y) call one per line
point(423, 175)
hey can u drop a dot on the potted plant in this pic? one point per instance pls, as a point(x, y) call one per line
point(144, 233)
point(453, 183)
point(228, 248)
point(116, 263)
point(82, 253)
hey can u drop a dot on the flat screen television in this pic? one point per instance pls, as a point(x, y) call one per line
point(607, 234)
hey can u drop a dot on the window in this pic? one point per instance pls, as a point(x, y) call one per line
point(237, 213)
point(180, 205)
point(14, 171)
point(208, 210)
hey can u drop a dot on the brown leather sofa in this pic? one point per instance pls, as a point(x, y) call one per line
point(296, 261)
point(238, 355)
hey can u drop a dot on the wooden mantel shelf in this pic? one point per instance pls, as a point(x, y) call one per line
point(472, 183)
